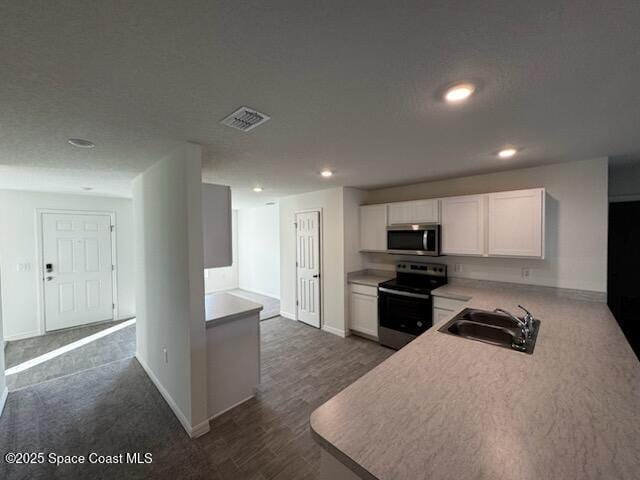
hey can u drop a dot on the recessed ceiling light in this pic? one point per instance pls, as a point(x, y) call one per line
point(507, 152)
point(81, 143)
point(326, 173)
point(459, 93)
point(257, 189)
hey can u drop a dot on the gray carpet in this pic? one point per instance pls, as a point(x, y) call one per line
point(271, 306)
point(114, 408)
point(115, 346)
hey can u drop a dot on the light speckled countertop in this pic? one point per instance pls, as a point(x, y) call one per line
point(371, 278)
point(451, 408)
point(223, 307)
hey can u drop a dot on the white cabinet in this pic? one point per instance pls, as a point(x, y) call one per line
point(463, 225)
point(363, 310)
point(444, 308)
point(440, 314)
point(216, 225)
point(373, 227)
point(419, 211)
point(516, 223)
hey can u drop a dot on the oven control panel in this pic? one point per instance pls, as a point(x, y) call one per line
point(433, 269)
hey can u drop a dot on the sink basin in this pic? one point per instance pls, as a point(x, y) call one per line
point(492, 328)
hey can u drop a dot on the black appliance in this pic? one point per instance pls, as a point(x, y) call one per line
point(414, 239)
point(405, 305)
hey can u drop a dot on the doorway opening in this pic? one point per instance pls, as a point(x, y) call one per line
point(623, 293)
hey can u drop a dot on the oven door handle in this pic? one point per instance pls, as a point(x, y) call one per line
point(404, 294)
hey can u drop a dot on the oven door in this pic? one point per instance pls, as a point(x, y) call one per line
point(410, 313)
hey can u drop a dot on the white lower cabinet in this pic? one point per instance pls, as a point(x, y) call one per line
point(363, 310)
point(444, 308)
point(440, 314)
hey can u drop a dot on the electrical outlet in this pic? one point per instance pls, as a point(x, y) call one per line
point(457, 268)
point(166, 355)
point(526, 273)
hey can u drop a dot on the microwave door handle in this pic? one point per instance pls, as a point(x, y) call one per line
point(424, 240)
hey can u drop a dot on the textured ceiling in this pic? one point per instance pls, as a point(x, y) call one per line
point(349, 85)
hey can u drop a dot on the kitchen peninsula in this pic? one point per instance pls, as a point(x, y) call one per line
point(446, 407)
point(233, 351)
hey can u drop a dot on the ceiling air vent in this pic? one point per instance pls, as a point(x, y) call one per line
point(245, 119)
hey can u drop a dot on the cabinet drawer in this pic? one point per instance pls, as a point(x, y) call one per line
point(364, 289)
point(447, 303)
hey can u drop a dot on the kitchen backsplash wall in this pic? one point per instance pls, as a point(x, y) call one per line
point(576, 225)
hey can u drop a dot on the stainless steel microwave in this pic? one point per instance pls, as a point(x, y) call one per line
point(414, 239)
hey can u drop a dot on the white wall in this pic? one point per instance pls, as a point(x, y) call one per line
point(167, 203)
point(259, 250)
point(576, 224)
point(624, 181)
point(21, 304)
point(225, 278)
point(3, 382)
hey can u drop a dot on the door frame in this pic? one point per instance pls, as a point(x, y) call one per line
point(40, 259)
point(320, 263)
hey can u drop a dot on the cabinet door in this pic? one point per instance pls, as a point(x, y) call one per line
point(373, 227)
point(440, 314)
point(419, 211)
point(463, 220)
point(516, 223)
point(216, 225)
point(363, 314)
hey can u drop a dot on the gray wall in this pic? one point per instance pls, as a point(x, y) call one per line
point(624, 180)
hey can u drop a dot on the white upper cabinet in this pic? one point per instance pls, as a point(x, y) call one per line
point(516, 223)
point(463, 225)
point(216, 225)
point(419, 211)
point(373, 227)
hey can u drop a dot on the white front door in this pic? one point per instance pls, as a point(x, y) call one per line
point(308, 267)
point(76, 256)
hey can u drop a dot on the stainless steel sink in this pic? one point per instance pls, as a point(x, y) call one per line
point(494, 328)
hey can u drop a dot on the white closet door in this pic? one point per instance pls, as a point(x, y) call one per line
point(308, 267)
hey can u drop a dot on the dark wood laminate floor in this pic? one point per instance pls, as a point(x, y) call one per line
point(115, 408)
point(118, 345)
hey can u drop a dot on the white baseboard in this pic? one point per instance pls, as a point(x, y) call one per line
point(253, 290)
point(3, 399)
point(288, 315)
point(231, 407)
point(192, 431)
point(12, 338)
point(335, 331)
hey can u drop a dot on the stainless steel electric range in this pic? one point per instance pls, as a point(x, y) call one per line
point(405, 305)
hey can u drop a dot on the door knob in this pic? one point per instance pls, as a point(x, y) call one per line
point(316, 276)
point(49, 279)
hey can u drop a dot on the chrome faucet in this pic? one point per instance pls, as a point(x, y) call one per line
point(528, 318)
point(523, 324)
